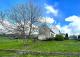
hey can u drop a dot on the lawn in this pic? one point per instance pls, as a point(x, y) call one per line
point(6, 43)
point(9, 54)
point(56, 46)
point(43, 46)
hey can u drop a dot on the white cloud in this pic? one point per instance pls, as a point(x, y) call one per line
point(46, 19)
point(51, 9)
point(65, 29)
point(6, 23)
point(73, 27)
point(1, 26)
point(62, 29)
point(6, 26)
point(56, 29)
point(73, 19)
point(75, 24)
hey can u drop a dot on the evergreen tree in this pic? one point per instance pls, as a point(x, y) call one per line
point(66, 36)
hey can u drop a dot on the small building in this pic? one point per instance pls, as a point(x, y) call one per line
point(45, 33)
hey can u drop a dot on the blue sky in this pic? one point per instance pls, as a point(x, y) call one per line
point(63, 12)
point(6, 4)
point(66, 7)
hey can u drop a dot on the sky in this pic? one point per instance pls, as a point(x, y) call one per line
point(65, 14)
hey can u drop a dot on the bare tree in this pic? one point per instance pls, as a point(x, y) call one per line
point(3, 21)
point(22, 17)
point(25, 15)
point(2, 15)
point(34, 12)
point(18, 14)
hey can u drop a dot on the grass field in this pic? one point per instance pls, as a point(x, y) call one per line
point(9, 54)
point(44, 46)
point(5, 54)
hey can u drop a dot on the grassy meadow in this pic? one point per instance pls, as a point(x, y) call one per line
point(43, 46)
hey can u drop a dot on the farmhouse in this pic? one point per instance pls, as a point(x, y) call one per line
point(45, 32)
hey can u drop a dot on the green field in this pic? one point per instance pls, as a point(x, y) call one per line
point(43, 46)
point(5, 54)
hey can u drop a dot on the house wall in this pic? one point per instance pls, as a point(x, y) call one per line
point(44, 33)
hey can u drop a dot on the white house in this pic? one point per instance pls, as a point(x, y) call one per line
point(45, 33)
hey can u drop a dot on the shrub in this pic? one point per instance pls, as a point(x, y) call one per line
point(78, 37)
point(66, 37)
point(74, 37)
point(59, 38)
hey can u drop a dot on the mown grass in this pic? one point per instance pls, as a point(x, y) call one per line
point(47, 46)
point(44, 46)
point(6, 43)
point(29, 55)
point(9, 54)
point(56, 46)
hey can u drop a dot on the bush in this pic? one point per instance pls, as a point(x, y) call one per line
point(3, 35)
point(59, 38)
point(78, 37)
point(66, 37)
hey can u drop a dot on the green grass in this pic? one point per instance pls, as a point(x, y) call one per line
point(44, 46)
point(6, 54)
point(9, 54)
point(6, 43)
point(46, 56)
point(47, 46)
point(56, 46)
point(12, 54)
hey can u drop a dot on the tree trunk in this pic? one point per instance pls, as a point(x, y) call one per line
point(23, 36)
point(30, 30)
